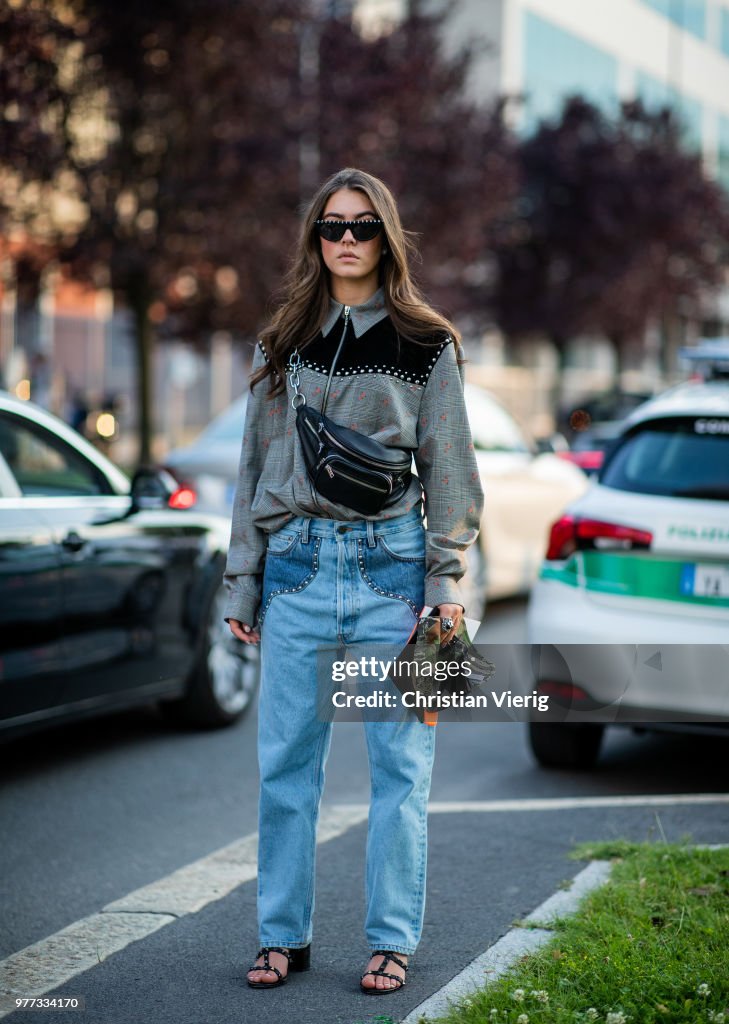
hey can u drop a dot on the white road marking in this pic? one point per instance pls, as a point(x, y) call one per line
point(83, 944)
point(574, 802)
point(52, 961)
point(213, 877)
point(55, 960)
point(500, 957)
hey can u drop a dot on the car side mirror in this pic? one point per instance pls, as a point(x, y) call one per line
point(151, 488)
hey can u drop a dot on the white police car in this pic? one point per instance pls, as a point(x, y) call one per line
point(642, 558)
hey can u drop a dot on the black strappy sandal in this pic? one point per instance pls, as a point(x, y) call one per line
point(298, 960)
point(388, 955)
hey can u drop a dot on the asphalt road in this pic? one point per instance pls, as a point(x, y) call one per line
point(95, 811)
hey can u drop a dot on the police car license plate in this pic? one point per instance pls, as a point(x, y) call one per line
point(705, 580)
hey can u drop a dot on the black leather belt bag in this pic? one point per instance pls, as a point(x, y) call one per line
point(348, 467)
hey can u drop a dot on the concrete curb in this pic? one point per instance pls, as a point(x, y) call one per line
point(500, 957)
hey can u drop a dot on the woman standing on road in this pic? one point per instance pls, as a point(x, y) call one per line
point(305, 570)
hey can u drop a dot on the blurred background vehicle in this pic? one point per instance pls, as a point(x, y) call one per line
point(709, 359)
point(111, 590)
point(525, 489)
point(209, 465)
point(643, 557)
point(591, 426)
point(590, 446)
point(646, 687)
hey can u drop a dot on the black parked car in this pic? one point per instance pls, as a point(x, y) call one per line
point(110, 590)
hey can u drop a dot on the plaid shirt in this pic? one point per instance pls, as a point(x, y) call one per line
point(403, 394)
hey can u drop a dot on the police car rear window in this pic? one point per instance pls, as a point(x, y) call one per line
point(679, 457)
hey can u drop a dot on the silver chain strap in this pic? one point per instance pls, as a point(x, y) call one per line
point(294, 364)
point(293, 367)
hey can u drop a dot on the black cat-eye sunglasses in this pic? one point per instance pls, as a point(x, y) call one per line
point(362, 230)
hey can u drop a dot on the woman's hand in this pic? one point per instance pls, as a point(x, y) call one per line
point(242, 631)
point(450, 611)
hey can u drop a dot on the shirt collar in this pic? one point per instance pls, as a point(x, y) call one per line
point(363, 317)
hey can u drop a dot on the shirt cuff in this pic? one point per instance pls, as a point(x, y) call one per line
point(242, 606)
point(442, 590)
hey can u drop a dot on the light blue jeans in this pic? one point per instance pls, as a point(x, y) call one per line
point(335, 583)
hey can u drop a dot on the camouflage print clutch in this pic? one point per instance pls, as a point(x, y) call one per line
point(429, 667)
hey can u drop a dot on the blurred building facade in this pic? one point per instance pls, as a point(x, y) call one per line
point(537, 53)
point(73, 345)
point(666, 52)
point(73, 351)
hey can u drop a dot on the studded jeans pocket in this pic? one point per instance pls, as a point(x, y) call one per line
point(395, 567)
point(290, 567)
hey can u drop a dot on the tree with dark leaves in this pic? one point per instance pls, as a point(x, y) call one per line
point(37, 50)
point(615, 225)
point(187, 207)
point(184, 136)
point(397, 107)
point(172, 129)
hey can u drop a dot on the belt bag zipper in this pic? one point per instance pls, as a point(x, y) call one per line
point(331, 473)
point(335, 442)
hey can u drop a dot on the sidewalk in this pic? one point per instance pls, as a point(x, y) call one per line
point(486, 870)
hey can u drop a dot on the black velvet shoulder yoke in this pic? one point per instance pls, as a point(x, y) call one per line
point(378, 350)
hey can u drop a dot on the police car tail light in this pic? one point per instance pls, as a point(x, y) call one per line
point(562, 541)
point(596, 534)
point(562, 693)
point(569, 534)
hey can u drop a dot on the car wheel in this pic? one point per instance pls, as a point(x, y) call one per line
point(225, 676)
point(562, 745)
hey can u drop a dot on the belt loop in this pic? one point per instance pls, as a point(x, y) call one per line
point(370, 533)
point(305, 531)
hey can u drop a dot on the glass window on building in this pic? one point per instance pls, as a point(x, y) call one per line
point(723, 168)
point(662, 6)
point(558, 64)
point(724, 31)
point(656, 94)
point(693, 17)
point(687, 14)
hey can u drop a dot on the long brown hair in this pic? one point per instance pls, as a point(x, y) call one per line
point(306, 304)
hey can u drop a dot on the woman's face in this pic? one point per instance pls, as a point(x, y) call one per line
point(349, 260)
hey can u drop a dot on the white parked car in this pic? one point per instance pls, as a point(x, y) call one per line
point(524, 491)
point(641, 562)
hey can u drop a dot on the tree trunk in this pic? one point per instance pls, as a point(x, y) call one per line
point(138, 297)
point(557, 394)
point(618, 343)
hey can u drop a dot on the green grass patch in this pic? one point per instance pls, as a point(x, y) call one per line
point(380, 1018)
point(652, 945)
